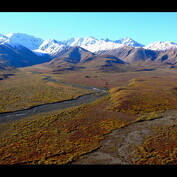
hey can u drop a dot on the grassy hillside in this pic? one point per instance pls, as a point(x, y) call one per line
point(159, 148)
point(146, 94)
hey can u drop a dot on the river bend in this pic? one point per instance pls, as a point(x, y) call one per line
point(84, 99)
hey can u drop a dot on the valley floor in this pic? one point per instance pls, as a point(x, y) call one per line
point(134, 123)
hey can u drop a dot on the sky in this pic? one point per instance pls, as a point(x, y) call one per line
point(143, 27)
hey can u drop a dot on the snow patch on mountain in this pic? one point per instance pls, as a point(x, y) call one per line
point(83, 41)
point(52, 46)
point(161, 46)
point(3, 38)
point(40, 52)
point(95, 45)
point(12, 44)
point(102, 45)
point(128, 42)
point(26, 40)
point(92, 44)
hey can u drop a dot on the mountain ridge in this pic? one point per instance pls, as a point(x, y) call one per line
point(52, 46)
point(33, 50)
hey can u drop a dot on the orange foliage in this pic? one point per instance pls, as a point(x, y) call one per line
point(61, 137)
point(145, 94)
point(159, 149)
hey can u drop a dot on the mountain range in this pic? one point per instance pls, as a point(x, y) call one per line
point(19, 50)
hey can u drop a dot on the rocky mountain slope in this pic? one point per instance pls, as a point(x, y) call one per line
point(79, 58)
point(17, 55)
point(19, 49)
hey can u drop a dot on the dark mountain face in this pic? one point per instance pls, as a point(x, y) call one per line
point(19, 56)
point(135, 55)
point(169, 57)
point(120, 52)
point(69, 54)
point(140, 54)
point(104, 63)
point(107, 60)
point(113, 60)
point(73, 55)
point(77, 54)
point(78, 58)
point(132, 55)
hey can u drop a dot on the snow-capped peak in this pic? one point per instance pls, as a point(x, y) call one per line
point(161, 46)
point(30, 42)
point(10, 34)
point(107, 40)
point(3, 38)
point(128, 42)
point(82, 41)
point(48, 43)
point(92, 44)
point(52, 46)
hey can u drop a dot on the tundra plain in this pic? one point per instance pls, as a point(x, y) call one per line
point(133, 123)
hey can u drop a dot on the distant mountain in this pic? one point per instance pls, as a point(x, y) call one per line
point(72, 56)
point(16, 55)
point(77, 54)
point(79, 58)
point(19, 49)
point(128, 42)
point(140, 55)
point(3, 38)
point(84, 41)
point(26, 40)
point(97, 46)
point(53, 47)
point(162, 46)
point(168, 57)
point(133, 55)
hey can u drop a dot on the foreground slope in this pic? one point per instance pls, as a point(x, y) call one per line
point(135, 123)
point(63, 137)
point(149, 139)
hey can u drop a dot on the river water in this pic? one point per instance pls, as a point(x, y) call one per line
point(84, 99)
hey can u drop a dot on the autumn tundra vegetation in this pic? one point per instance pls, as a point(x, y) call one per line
point(70, 135)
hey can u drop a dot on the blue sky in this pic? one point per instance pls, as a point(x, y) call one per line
point(144, 27)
